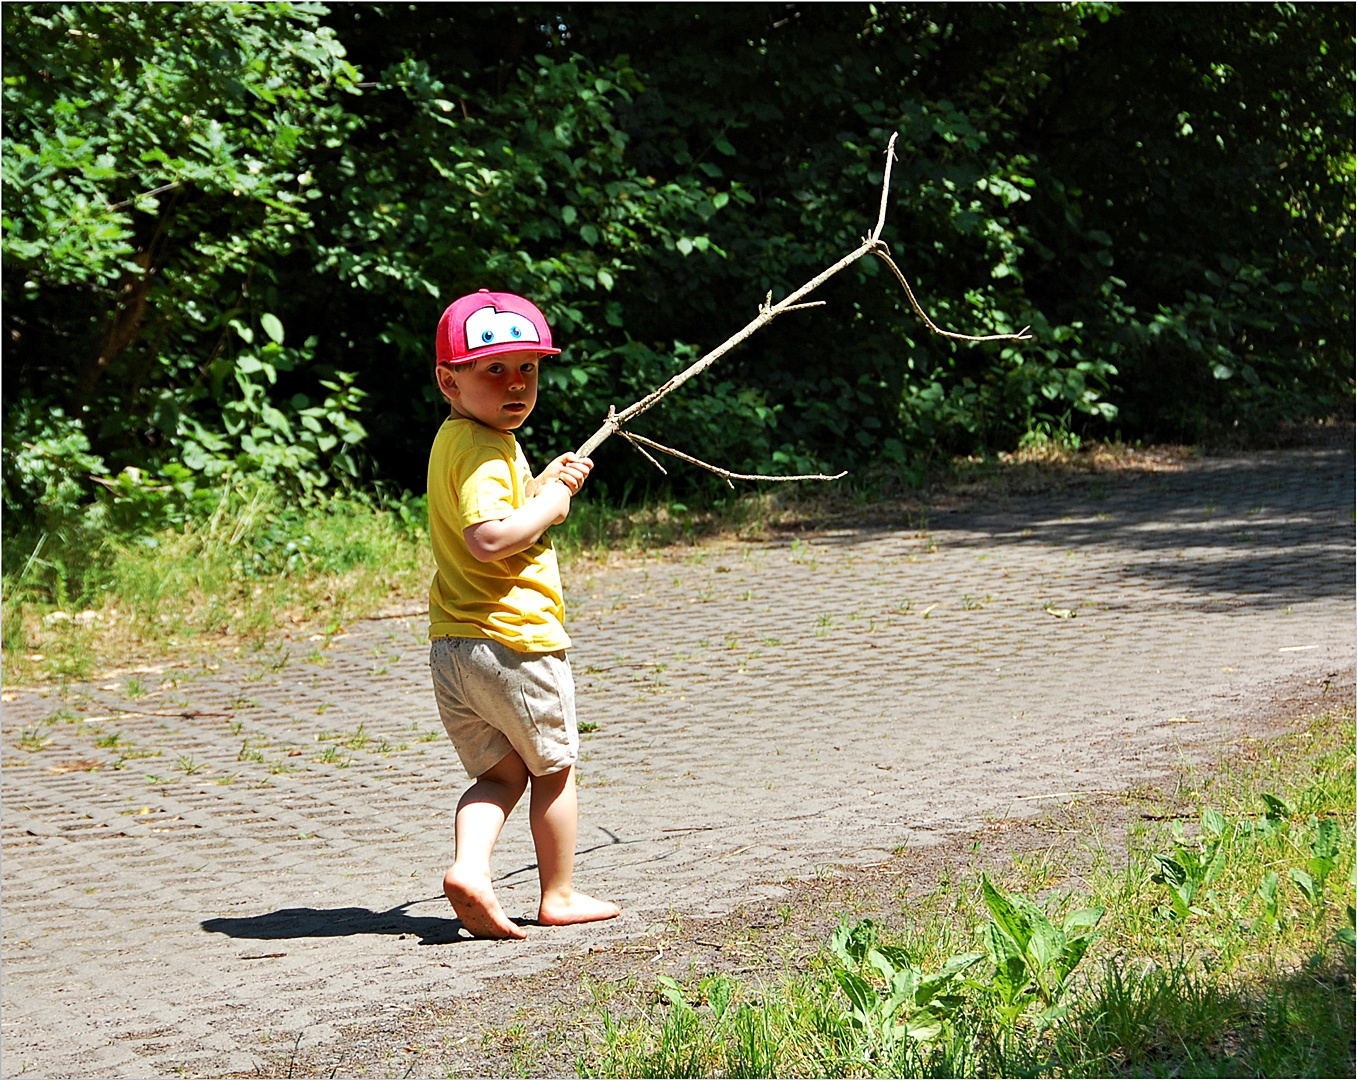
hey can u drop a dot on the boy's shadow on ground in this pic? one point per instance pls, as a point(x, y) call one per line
point(308, 922)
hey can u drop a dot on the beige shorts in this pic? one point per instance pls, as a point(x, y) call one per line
point(493, 699)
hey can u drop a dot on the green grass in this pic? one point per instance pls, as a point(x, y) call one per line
point(89, 596)
point(95, 596)
point(1219, 942)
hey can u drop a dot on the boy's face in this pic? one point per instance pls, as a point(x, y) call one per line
point(499, 391)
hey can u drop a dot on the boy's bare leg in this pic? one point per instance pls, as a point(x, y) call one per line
point(480, 817)
point(553, 812)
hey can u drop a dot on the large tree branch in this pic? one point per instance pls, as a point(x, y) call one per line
point(768, 311)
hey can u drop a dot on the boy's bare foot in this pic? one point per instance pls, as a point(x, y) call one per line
point(576, 908)
point(474, 900)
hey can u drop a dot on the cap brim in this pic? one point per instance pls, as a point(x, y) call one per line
point(500, 350)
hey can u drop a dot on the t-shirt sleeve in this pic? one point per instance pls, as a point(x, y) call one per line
point(484, 486)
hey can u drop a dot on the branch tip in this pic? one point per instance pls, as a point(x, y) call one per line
point(640, 442)
point(885, 188)
point(918, 310)
point(643, 451)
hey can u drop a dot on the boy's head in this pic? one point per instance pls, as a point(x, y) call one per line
point(487, 349)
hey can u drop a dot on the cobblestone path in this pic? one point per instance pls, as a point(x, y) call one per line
point(204, 864)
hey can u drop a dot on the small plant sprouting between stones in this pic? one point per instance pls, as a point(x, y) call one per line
point(33, 740)
point(189, 766)
point(802, 554)
point(331, 756)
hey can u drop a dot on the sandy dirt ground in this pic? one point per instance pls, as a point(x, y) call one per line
point(233, 868)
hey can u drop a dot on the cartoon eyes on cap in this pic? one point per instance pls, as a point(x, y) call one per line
point(487, 326)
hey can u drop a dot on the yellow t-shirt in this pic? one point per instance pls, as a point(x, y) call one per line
point(479, 474)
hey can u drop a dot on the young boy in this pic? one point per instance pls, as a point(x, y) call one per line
point(501, 678)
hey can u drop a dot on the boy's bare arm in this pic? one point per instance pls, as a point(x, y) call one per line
point(549, 496)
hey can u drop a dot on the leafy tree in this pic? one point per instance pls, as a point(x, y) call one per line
point(471, 168)
point(1197, 165)
point(229, 229)
point(155, 178)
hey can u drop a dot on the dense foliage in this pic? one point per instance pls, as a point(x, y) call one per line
point(229, 229)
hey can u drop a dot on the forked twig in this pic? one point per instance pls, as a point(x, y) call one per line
point(768, 311)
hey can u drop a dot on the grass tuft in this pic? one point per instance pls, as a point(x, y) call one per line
point(257, 564)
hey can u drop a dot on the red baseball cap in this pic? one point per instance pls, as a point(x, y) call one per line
point(488, 323)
